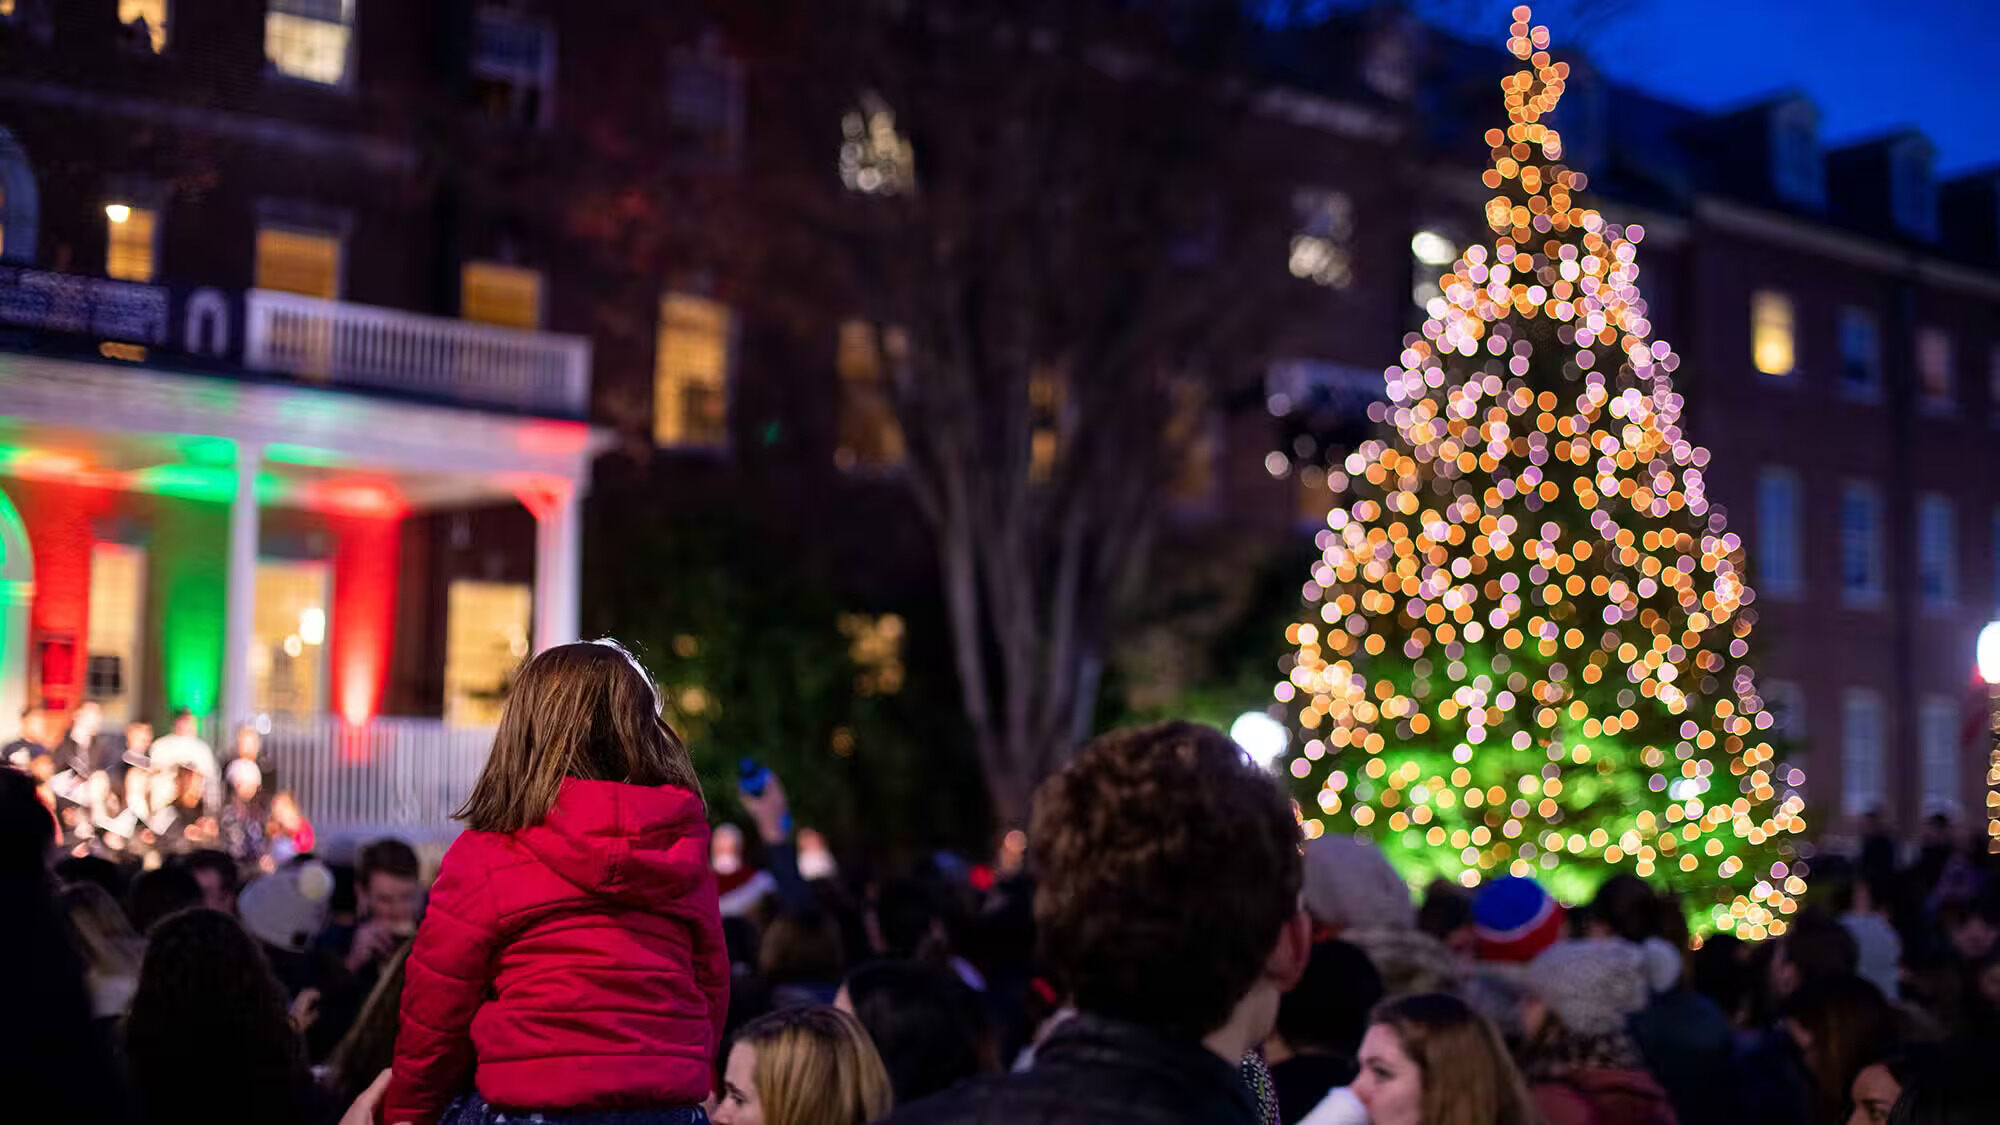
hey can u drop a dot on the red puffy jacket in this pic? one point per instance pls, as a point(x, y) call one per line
point(579, 963)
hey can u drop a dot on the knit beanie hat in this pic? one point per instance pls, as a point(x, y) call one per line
point(287, 908)
point(1591, 985)
point(1513, 919)
point(1350, 885)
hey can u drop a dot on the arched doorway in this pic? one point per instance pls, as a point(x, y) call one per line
point(17, 595)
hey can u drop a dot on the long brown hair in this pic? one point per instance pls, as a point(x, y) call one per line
point(816, 1066)
point(584, 710)
point(1468, 1077)
point(369, 1047)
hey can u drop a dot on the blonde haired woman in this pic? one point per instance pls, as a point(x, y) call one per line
point(803, 1066)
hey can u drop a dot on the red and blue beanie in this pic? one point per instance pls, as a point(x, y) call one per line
point(1514, 919)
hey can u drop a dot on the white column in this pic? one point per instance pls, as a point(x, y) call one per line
point(558, 537)
point(242, 590)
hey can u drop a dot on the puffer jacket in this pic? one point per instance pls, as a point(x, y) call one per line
point(578, 964)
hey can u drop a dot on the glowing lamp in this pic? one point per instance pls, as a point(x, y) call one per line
point(117, 212)
point(1988, 652)
point(1262, 737)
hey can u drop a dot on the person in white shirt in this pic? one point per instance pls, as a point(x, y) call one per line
point(185, 748)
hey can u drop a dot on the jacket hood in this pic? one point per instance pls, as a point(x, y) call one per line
point(629, 843)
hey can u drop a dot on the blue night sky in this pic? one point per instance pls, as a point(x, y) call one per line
point(1871, 65)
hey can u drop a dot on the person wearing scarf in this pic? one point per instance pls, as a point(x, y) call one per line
point(1582, 1065)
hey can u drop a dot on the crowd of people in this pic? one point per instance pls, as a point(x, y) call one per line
point(135, 798)
point(1155, 946)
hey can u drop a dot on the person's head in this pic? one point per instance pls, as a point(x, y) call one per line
point(189, 787)
point(92, 869)
point(803, 1066)
point(1816, 948)
point(1624, 907)
point(1431, 1060)
point(99, 931)
point(1159, 848)
point(1349, 885)
point(218, 875)
point(1447, 916)
point(287, 909)
point(725, 849)
point(1514, 919)
point(158, 893)
point(35, 724)
point(584, 711)
point(184, 723)
point(245, 780)
point(206, 993)
point(801, 948)
point(1585, 988)
point(1839, 1024)
point(388, 886)
point(1326, 1012)
point(1880, 1082)
point(1972, 928)
point(1960, 1090)
point(906, 918)
point(86, 721)
point(248, 742)
point(138, 737)
point(927, 1026)
point(285, 811)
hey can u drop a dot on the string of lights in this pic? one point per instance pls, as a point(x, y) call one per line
point(1527, 642)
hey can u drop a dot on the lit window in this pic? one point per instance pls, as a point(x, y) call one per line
point(491, 293)
point(285, 671)
point(6, 9)
point(1323, 246)
point(147, 19)
point(1860, 752)
point(1860, 353)
point(1771, 332)
point(1938, 726)
point(691, 372)
point(874, 158)
point(1048, 395)
point(486, 638)
point(1861, 567)
point(869, 434)
point(1780, 563)
point(116, 628)
point(513, 67)
point(297, 261)
point(1937, 548)
point(705, 102)
point(1191, 441)
point(128, 252)
point(1934, 367)
point(312, 40)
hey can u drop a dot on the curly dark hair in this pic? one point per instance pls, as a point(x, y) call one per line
point(1157, 849)
point(206, 993)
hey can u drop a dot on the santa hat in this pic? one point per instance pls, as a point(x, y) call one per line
point(1513, 919)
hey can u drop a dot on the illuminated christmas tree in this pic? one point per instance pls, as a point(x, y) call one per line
point(1527, 642)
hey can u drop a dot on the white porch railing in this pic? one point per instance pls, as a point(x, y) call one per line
point(390, 776)
point(360, 345)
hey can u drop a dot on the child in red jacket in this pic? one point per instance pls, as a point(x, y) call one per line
point(571, 964)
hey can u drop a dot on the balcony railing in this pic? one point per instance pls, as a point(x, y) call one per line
point(364, 346)
point(401, 777)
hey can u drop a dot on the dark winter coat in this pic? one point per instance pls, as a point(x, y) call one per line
point(1096, 1071)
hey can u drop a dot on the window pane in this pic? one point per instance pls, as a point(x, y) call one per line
point(1860, 544)
point(291, 261)
point(1938, 730)
point(1860, 350)
point(1771, 332)
point(1934, 365)
point(869, 433)
point(312, 48)
point(495, 294)
point(153, 12)
point(1861, 752)
point(286, 665)
point(117, 603)
point(1777, 546)
point(1936, 547)
point(128, 254)
point(691, 372)
point(486, 638)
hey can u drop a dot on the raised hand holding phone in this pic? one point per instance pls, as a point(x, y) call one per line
point(763, 796)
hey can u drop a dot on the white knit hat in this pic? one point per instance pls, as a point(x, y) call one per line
point(1591, 985)
point(288, 907)
point(1349, 885)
